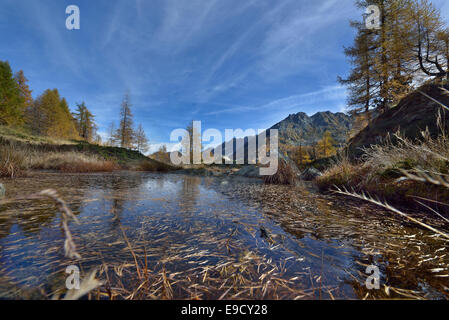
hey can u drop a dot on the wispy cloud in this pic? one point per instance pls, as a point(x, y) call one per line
point(303, 38)
point(217, 61)
point(51, 32)
point(333, 93)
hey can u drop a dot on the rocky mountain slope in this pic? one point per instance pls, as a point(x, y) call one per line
point(411, 117)
point(300, 128)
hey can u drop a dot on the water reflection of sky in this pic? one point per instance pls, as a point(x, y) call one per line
point(166, 214)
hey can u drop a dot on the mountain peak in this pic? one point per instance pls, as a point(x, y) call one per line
point(312, 129)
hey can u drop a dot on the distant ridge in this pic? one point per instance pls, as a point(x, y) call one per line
point(300, 128)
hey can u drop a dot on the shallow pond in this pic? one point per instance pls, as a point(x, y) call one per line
point(163, 236)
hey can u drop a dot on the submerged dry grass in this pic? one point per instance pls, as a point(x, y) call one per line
point(285, 175)
point(403, 171)
point(245, 276)
point(318, 248)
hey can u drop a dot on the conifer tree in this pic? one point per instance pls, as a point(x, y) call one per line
point(326, 146)
point(51, 116)
point(11, 102)
point(24, 89)
point(382, 62)
point(141, 140)
point(429, 39)
point(361, 83)
point(112, 141)
point(85, 123)
point(125, 132)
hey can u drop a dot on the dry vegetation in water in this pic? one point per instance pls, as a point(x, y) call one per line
point(285, 175)
point(154, 166)
point(164, 257)
point(401, 171)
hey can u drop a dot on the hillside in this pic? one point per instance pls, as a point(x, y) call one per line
point(411, 116)
point(400, 168)
point(34, 152)
point(300, 126)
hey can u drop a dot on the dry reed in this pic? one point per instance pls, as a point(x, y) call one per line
point(285, 175)
point(12, 161)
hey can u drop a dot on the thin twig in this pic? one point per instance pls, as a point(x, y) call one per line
point(363, 196)
point(132, 252)
point(66, 214)
point(434, 100)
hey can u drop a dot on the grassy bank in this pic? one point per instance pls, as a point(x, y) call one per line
point(20, 152)
point(401, 171)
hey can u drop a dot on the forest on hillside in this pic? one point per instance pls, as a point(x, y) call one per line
point(49, 115)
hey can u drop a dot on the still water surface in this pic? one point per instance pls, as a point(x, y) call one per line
point(211, 238)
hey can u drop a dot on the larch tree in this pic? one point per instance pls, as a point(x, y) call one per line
point(382, 69)
point(48, 110)
point(326, 146)
point(66, 122)
point(141, 140)
point(24, 89)
point(51, 116)
point(125, 132)
point(361, 82)
point(112, 141)
point(35, 117)
point(85, 123)
point(430, 39)
point(11, 102)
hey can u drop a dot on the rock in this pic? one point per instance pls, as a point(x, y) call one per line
point(2, 190)
point(249, 172)
point(264, 233)
point(413, 114)
point(310, 174)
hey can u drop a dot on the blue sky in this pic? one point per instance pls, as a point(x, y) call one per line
point(229, 63)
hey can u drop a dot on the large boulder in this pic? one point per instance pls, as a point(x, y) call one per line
point(414, 114)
